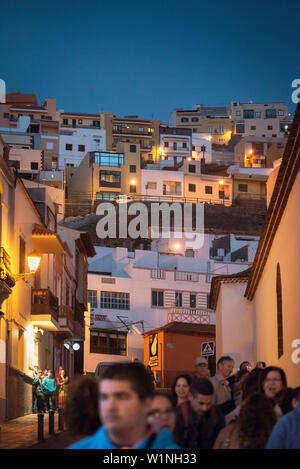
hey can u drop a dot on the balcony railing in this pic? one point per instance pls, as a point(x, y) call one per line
point(65, 317)
point(44, 303)
point(189, 315)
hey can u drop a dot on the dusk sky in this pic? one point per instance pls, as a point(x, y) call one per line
point(147, 58)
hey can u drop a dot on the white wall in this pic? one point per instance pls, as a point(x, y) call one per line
point(86, 137)
point(235, 324)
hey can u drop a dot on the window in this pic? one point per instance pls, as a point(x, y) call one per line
point(6, 115)
point(221, 129)
point(110, 179)
point(96, 123)
point(49, 146)
point(187, 276)
point(81, 147)
point(210, 129)
point(166, 144)
point(158, 273)
point(248, 114)
point(184, 145)
point(192, 300)
point(108, 160)
point(253, 127)
point(207, 300)
point(132, 188)
point(65, 121)
point(221, 194)
point(151, 185)
point(132, 168)
point(192, 187)
point(132, 148)
point(240, 128)
point(237, 113)
point(106, 195)
point(34, 165)
point(243, 187)
point(157, 298)
point(175, 146)
point(178, 299)
point(195, 119)
point(279, 312)
point(22, 249)
point(189, 252)
point(80, 121)
point(271, 114)
point(184, 119)
point(280, 112)
point(270, 127)
point(258, 114)
point(114, 300)
point(69, 146)
point(92, 298)
point(208, 190)
point(108, 342)
point(141, 129)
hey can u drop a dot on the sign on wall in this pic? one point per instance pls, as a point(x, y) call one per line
point(207, 348)
point(153, 349)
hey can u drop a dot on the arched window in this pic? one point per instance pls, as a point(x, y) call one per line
point(279, 312)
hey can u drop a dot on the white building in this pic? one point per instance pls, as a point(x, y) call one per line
point(134, 292)
point(75, 143)
point(162, 185)
point(201, 147)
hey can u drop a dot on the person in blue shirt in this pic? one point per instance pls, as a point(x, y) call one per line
point(49, 388)
point(286, 433)
point(125, 397)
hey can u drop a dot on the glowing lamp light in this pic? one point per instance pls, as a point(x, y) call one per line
point(133, 182)
point(76, 346)
point(34, 260)
point(176, 246)
point(221, 182)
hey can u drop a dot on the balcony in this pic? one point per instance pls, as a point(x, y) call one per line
point(44, 309)
point(131, 132)
point(79, 320)
point(66, 321)
point(190, 315)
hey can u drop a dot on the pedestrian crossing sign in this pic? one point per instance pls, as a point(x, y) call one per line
point(207, 348)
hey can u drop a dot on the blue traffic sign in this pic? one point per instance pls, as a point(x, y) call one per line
point(207, 348)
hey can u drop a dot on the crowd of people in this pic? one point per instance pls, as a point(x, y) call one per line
point(49, 391)
point(252, 408)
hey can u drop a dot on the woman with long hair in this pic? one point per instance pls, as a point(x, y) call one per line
point(273, 384)
point(253, 426)
point(181, 389)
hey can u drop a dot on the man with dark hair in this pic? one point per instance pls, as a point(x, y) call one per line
point(125, 396)
point(198, 422)
point(286, 433)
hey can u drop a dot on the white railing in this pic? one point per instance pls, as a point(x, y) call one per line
point(189, 315)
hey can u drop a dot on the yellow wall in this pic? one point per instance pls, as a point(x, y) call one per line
point(284, 251)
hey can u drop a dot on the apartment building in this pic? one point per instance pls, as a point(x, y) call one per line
point(43, 121)
point(162, 185)
point(74, 144)
point(175, 144)
point(252, 151)
point(214, 121)
point(104, 175)
point(205, 187)
point(260, 119)
point(133, 129)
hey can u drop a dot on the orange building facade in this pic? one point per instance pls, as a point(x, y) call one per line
point(171, 350)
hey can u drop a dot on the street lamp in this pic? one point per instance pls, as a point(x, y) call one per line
point(33, 260)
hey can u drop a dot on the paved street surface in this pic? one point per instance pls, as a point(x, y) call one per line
point(22, 433)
